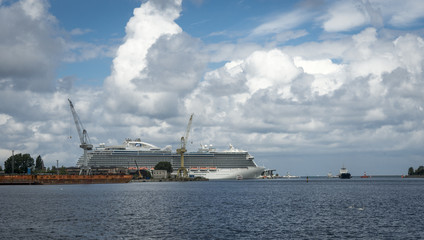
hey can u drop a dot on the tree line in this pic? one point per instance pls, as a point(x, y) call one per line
point(19, 163)
point(418, 171)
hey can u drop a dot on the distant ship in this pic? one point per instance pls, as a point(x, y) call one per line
point(365, 175)
point(206, 162)
point(289, 176)
point(330, 175)
point(344, 174)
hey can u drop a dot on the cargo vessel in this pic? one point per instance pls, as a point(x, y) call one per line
point(62, 179)
point(206, 162)
point(344, 174)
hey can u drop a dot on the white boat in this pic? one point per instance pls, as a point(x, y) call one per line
point(289, 176)
point(206, 162)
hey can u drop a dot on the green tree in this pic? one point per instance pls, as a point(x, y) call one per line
point(145, 173)
point(62, 170)
point(21, 163)
point(164, 166)
point(411, 171)
point(420, 170)
point(39, 164)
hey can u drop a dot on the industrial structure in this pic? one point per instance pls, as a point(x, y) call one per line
point(84, 139)
point(182, 171)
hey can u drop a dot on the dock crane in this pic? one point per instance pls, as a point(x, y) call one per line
point(84, 139)
point(182, 171)
point(138, 170)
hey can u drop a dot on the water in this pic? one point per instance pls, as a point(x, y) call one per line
point(377, 208)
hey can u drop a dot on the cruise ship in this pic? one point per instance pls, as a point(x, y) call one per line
point(206, 162)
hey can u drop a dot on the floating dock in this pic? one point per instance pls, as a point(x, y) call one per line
point(62, 179)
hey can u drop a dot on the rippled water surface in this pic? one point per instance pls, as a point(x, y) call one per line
point(377, 208)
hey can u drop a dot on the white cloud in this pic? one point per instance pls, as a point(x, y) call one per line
point(34, 9)
point(401, 13)
point(148, 24)
point(131, 86)
point(344, 16)
point(269, 69)
point(281, 23)
point(289, 35)
point(4, 118)
point(410, 50)
point(30, 51)
point(321, 66)
point(348, 15)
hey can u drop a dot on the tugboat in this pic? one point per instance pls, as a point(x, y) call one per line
point(344, 174)
point(365, 175)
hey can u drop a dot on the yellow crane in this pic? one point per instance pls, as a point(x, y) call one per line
point(182, 171)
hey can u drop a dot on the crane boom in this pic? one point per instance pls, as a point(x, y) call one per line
point(77, 121)
point(84, 139)
point(185, 138)
point(83, 136)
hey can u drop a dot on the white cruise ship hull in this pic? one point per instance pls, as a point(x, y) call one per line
point(228, 173)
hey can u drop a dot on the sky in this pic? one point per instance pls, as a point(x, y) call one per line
point(305, 86)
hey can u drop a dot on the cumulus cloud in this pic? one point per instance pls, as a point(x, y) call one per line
point(156, 64)
point(294, 97)
point(28, 59)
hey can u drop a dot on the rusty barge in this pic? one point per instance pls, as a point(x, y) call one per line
point(62, 179)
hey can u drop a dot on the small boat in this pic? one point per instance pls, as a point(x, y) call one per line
point(239, 177)
point(365, 175)
point(330, 175)
point(290, 176)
